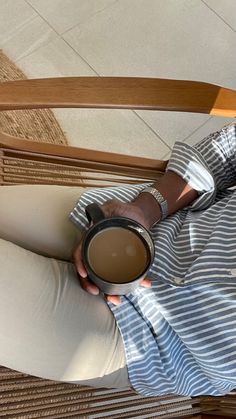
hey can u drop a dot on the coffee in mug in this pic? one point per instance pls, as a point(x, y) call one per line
point(117, 255)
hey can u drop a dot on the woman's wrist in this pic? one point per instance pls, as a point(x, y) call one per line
point(174, 189)
point(150, 208)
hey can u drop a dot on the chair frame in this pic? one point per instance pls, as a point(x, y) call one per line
point(100, 92)
point(25, 162)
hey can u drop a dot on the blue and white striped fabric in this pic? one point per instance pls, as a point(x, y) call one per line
point(180, 335)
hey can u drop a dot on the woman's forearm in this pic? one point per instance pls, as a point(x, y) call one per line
point(174, 189)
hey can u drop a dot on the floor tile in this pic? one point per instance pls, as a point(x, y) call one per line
point(173, 126)
point(158, 39)
point(13, 15)
point(27, 38)
point(118, 131)
point(55, 59)
point(226, 9)
point(64, 14)
point(164, 42)
point(213, 124)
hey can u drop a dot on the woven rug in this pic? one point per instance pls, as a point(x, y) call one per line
point(26, 397)
point(37, 125)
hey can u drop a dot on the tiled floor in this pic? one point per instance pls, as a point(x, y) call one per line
point(185, 39)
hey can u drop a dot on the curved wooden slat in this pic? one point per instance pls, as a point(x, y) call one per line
point(97, 157)
point(118, 92)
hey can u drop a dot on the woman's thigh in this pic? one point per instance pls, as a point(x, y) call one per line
point(50, 327)
point(36, 218)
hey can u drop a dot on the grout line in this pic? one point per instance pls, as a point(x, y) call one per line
point(90, 17)
point(45, 20)
point(24, 23)
point(27, 54)
point(195, 130)
point(82, 58)
point(220, 17)
point(153, 131)
point(59, 35)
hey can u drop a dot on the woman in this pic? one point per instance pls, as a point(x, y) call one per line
point(176, 334)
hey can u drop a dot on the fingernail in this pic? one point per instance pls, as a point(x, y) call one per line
point(92, 290)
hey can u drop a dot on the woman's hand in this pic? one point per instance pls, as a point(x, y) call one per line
point(114, 208)
point(111, 208)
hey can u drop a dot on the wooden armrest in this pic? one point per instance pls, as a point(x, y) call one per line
point(152, 165)
point(119, 93)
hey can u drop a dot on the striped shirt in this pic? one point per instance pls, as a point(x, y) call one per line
point(180, 334)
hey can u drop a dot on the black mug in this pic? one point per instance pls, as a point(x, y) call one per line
point(105, 253)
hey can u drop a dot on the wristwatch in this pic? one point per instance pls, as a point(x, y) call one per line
point(160, 199)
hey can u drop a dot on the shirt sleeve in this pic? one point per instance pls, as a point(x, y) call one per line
point(209, 166)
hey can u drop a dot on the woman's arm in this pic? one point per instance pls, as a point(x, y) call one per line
point(194, 172)
point(174, 189)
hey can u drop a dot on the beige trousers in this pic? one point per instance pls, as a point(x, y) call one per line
point(49, 326)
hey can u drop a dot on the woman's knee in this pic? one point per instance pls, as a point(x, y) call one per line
point(49, 326)
point(36, 218)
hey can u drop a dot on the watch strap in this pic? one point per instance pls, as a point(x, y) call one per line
point(160, 199)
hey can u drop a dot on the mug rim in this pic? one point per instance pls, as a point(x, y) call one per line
point(98, 227)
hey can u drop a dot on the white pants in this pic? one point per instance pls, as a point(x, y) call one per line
point(49, 326)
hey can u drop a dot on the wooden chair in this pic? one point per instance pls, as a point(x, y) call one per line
point(27, 162)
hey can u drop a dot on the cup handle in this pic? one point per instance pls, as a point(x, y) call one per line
point(94, 213)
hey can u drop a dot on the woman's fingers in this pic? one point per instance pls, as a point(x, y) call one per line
point(83, 276)
point(146, 283)
point(114, 299)
point(77, 258)
point(88, 286)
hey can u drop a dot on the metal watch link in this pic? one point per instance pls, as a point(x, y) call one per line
point(160, 199)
